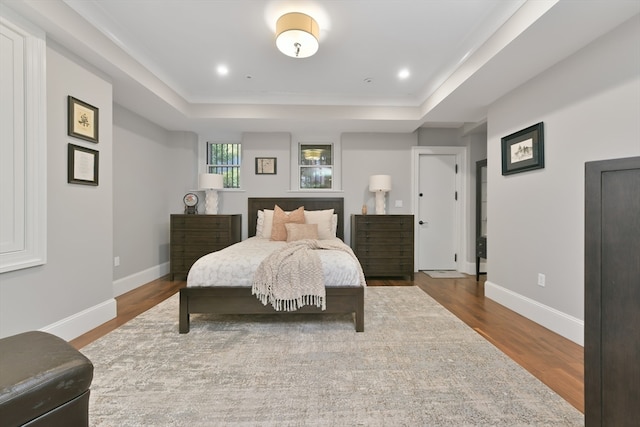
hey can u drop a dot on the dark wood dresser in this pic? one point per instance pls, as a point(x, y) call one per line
point(193, 236)
point(383, 244)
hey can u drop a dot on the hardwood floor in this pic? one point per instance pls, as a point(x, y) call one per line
point(554, 360)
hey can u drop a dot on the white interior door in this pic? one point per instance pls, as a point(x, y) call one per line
point(437, 212)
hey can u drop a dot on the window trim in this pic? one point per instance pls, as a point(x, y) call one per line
point(30, 174)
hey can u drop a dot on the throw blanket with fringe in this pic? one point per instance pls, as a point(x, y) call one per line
point(292, 277)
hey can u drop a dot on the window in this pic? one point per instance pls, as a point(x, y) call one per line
point(316, 166)
point(224, 159)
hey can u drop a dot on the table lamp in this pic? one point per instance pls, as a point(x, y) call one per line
point(211, 183)
point(380, 184)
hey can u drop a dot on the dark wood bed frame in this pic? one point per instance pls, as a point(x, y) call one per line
point(239, 300)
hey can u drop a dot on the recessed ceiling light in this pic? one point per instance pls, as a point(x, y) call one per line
point(222, 70)
point(404, 73)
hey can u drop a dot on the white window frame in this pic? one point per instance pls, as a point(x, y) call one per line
point(23, 241)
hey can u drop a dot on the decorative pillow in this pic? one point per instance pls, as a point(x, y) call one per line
point(334, 225)
point(267, 224)
point(324, 221)
point(260, 224)
point(301, 231)
point(280, 218)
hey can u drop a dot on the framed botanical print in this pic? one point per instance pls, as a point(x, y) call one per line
point(266, 165)
point(82, 120)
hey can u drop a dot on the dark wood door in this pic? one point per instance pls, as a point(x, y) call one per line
point(612, 293)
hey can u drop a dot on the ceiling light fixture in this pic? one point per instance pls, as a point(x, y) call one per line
point(297, 35)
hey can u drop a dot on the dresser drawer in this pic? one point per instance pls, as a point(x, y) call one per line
point(192, 237)
point(384, 224)
point(387, 237)
point(394, 268)
point(199, 223)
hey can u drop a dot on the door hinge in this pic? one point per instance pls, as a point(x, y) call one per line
point(456, 168)
point(455, 257)
point(456, 196)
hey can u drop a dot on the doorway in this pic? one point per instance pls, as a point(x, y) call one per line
point(439, 203)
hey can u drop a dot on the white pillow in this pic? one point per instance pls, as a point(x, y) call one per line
point(334, 225)
point(268, 224)
point(260, 224)
point(324, 219)
point(265, 221)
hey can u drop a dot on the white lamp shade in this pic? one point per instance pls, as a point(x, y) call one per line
point(211, 181)
point(297, 35)
point(380, 183)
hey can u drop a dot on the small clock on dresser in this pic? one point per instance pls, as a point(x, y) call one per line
point(190, 203)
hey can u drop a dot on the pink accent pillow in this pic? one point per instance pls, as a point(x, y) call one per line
point(280, 218)
point(301, 231)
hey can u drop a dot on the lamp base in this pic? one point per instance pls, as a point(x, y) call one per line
point(380, 203)
point(211, 202)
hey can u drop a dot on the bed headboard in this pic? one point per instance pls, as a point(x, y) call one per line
point(290, 203)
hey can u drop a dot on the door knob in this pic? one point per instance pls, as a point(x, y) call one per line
point(421, 222)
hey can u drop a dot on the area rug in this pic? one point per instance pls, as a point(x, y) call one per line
point(415, 365)
point(444, 274)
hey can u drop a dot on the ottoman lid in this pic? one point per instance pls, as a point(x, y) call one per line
point(39, 372)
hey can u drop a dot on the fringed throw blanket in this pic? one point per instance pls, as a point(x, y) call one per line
point(292, 277)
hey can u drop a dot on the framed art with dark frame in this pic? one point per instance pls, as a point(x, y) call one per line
point(523, 150)
point(266, 165)
point(82, 120)
point(82, 165)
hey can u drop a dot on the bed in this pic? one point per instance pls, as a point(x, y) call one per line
point(238, 299)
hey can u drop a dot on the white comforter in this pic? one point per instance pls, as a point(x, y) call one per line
point(236, 265)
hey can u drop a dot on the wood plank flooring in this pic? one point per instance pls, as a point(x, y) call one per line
point(554, 360)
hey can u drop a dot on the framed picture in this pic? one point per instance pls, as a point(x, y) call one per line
point(523, 150)
point(82, 165)
point(266, 165)
point(82, 120)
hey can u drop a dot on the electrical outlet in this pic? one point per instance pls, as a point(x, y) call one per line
point(398, 203)
point(541, 279)
point(116, 261)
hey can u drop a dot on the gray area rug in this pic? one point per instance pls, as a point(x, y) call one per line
point(415, 365)
point(444, 274)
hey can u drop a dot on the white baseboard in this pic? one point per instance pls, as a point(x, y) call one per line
point(561, 323)
point(470, 267)
point(126, 284)
point(84, 321)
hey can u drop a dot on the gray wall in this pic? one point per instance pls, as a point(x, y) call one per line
point(363, 154)
point(590, 104)
point(77, 276)
point(366, 154)
point(154, 168)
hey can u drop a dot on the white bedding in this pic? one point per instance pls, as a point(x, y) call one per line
point(236, 265)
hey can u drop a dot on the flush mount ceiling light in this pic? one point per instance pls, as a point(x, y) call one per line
point(297, 35)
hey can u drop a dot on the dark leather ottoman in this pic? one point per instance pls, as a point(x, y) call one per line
point(44, 381)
